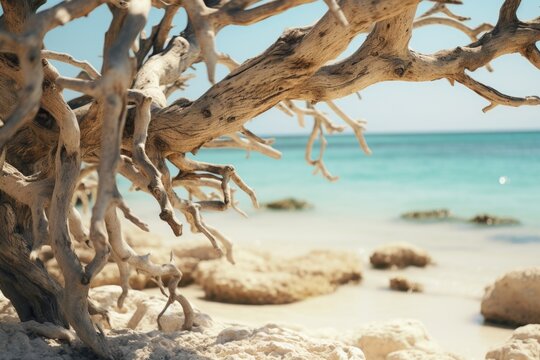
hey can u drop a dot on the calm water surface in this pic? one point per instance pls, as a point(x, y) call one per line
point(471, 173)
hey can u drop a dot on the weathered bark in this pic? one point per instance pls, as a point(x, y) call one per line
point(124, 123)
point(33, 293)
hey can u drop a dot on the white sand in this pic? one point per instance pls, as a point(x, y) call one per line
point(468, 258)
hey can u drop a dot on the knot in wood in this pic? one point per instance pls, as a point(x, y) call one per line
point(206, 113)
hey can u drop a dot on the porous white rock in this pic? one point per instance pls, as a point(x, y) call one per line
point(523, 345)
point(417, 354)
point(261, 278)
point(397, 340)
point(514, 298)
point(208, 340)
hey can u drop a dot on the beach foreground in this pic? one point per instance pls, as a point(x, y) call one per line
point(466, 259)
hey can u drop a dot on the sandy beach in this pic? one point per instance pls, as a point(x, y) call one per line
point(269, 180)
point(467, 257)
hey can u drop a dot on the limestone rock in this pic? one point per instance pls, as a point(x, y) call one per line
point(137, 238)
point(399, 255)
point(233, 333)
point(187, 256)
point(523, 345)
point(417, 354)
point(209, 340)
point(514, 298)
point(377, 340)
point(288, 204)
point(401, 283)
point(436, 214)
point(491, 220)
point(274, 342)
point(141, 310)
point(109, 275)
point(398, 340)
point(259, 278)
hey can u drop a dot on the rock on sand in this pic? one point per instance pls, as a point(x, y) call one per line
point(134, 335)
point(400, 283)
point(187, 256)
point(209, 340)
point(514, 298)
point(398, 340)
point(261, 278)
point(523, 345)
point(399, 255)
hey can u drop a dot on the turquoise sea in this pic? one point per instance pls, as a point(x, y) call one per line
point(468, 173)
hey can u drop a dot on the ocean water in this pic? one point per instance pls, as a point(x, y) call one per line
point(468, 173)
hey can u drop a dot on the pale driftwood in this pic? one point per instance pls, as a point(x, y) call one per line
point(125, 124)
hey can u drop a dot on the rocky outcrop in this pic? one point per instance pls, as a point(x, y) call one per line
point(274, 342)
point(437, 214)
point(134, 336)
point(491, 220)
point(416, 354)
point(523, 345)
point(256, 279)
point(445, 214)
point(400, 283)
point(261, 278)
point(399, 255)
point(288, 204)
point(514, 298)
point(398, 340)
point(187, 256)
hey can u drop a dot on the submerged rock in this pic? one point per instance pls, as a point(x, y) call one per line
point(514, 298)
point(261, 278)
point(398, 340)
point(288, 204)
point(486, 219)
point(400, 283)
point(399, 255)
point(523, 345)
point(436, 214)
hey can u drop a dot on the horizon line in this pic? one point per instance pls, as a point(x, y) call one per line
point(428, 132)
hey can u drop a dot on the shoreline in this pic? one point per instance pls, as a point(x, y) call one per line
point(468, 258)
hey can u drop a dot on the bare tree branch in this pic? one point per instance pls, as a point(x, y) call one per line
point(494, 96)
point(124, 124)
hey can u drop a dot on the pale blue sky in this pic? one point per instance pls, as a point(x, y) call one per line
point(388, 107)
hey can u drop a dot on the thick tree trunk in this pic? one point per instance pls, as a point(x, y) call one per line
point(32, 292)
point(124, 122)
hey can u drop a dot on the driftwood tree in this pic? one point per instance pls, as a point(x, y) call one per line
point(123, 122)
